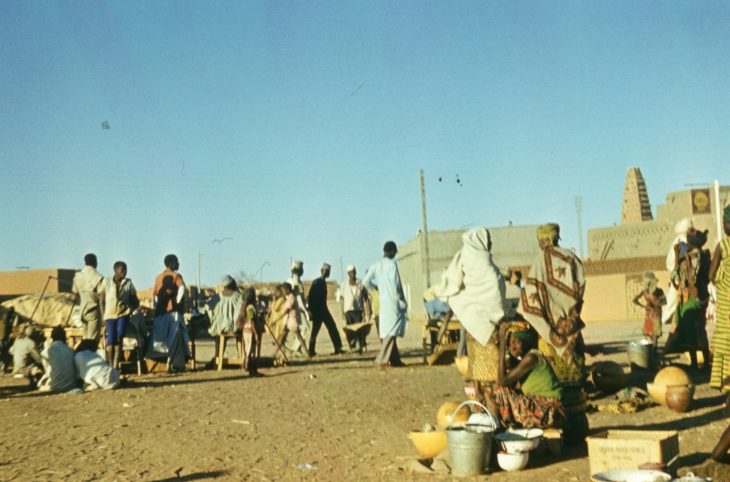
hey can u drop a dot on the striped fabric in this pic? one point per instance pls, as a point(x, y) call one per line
point(721, 337)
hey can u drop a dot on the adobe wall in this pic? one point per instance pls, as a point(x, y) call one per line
point(26, 282)
point(609, 297)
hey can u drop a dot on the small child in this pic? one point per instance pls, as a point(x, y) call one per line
point(654, 299)
point(250, 335)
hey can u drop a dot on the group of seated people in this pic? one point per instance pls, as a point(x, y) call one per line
point(58, 367)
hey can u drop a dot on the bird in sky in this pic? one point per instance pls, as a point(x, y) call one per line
point(220, 240)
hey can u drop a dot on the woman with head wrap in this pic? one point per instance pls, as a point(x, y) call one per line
point(475, 292)
point(653, 300)
point(720, 277)
point(691, 279)
point(527, 392)
point(680, 229)
point(551, 302)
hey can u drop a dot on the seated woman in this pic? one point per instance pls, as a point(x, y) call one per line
point(537, 401)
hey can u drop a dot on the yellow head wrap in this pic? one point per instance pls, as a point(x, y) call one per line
point(548, 232)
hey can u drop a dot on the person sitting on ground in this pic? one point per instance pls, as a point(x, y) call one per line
point(60, 373)
point(27, 361)
point(528, 393)
point(93, 370)
point(654, 299)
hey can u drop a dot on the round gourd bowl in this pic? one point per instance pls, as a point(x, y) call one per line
point(658, 393)
point(512, 462)
point(520, 439)
point(446, 416)
point(631, 475)
point(672, 376)
point(428, 444)
point(462, 364)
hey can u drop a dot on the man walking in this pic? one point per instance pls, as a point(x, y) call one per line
point(385, 277)
point(87, 286)
point(354, 301)
point(292, 342)
point(317, 302)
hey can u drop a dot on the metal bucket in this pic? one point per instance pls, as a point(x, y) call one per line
point(470, 449)
point(641, 354)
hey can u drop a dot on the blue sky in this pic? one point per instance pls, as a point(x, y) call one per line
point(298, 128)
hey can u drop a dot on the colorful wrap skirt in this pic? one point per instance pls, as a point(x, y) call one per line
point(529, 411)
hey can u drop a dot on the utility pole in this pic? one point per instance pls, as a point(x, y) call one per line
point(425, 233)
point(579, 211)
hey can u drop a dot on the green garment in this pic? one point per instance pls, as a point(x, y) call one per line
point(542, 381)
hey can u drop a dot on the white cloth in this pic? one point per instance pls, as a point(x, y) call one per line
point(352, 296)
point(95, 371)
point(61, 369)
point(384, 276)
point(473, 286)
point(670, 307)
point(226, 308)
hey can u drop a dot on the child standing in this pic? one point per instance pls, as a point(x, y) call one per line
point(250, 335)
point(292, 315)
point(654, 299)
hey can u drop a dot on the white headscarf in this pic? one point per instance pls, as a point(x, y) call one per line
point(474, 287)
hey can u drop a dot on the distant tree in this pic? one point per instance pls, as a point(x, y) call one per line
point(244, 278)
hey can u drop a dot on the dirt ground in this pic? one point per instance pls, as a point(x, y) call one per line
point(337, 414)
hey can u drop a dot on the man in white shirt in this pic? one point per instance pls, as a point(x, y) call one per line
point(59, 357)
point(354, 300)
point(87, 287)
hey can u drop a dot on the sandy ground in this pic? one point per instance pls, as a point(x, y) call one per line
point(345, 419)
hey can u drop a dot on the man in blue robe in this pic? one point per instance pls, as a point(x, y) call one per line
point(385, 277)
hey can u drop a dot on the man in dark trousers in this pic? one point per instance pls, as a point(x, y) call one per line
point(319, 313)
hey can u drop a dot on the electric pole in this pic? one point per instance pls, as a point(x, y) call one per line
point(427, 256)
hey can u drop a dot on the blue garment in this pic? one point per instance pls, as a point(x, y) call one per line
point(436, 308)
point(384, 277)
point(115, 330)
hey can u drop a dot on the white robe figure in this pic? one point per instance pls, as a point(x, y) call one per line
point(473, 286)
point(670, 308)
point(385, 277)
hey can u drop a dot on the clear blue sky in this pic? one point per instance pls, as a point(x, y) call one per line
point(298, 128)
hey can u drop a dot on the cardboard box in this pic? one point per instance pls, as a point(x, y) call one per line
point(628, 449)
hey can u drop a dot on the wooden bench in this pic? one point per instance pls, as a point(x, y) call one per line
point(220, 358)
